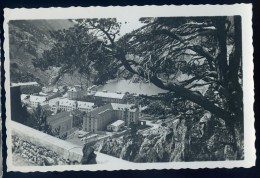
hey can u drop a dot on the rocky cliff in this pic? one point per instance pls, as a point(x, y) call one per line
point(163, 144)
point(178, 141)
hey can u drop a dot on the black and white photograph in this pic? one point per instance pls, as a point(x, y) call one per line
point(129, 92)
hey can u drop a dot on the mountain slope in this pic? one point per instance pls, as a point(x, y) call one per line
point(28, 39)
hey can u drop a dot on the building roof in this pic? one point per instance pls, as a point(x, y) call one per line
point(76, 88)
point(110, 95)
point(117, 123)
point(112, 107)
point(101, 109)
point(67, 102)
point(76, 112)
point(118, 106)
point(73, 89)
point(46, 107)
point(92, 87)
point(54, 101)
point(59, 118)
point(102, 112)
point(86, 105)
point(38, 99)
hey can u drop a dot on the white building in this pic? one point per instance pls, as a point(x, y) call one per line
point(67, 105)
point(116, 126)
point(85, 106)
point(126, 112)
point(110, 97)
point(75, 92)
point(92, 90)
point(37, 100)
point(54, 104)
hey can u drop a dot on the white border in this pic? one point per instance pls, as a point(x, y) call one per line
point(245, 10)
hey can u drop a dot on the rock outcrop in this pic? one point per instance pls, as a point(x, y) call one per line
point(163, 144)
point(181, 140)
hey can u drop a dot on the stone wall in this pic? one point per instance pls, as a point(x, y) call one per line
point(43, 149)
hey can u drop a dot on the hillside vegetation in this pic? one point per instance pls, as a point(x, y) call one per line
point(28, 40)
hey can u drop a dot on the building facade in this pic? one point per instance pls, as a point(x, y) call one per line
point(126, 113)
point(37, 100)
point(100, 118)
point(66, 104)
point(75, 93)
point(54, 104)
point(116, 126)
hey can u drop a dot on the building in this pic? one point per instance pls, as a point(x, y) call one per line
point(66, 104)
point(37, 100)
point(75, 93)
point(110, 97)
point(54, 104)
point(85, 106)
point(99, 118)
point(47, 89)
point(61, 122)
point(116, 126)
point(126, 112)
point(92, 90)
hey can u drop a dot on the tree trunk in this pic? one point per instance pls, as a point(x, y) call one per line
point(236, 99)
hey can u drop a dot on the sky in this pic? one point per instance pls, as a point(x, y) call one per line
point(131, 24)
